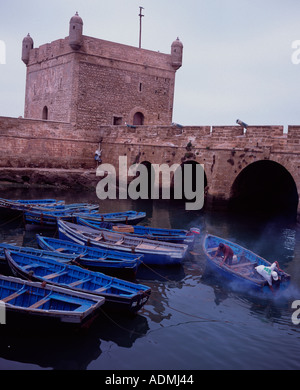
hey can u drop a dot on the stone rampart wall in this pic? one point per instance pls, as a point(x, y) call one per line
point(45, 144)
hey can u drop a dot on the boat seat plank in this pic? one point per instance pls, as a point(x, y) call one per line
point(54, 275)
point(30, 266)
point(212, 249)
point(78, 282)
point(12, 296)
point(119, 242)
point(240, 265)
point(39, 303)
point(101, 289)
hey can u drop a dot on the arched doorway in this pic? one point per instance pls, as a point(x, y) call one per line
point(138, 119)
point(265, 187)
point(45, 113)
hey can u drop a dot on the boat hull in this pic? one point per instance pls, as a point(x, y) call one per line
point(120, 295)
point(241, 275)
point(91, 258)
point(165, 254)
point(169, 235)
point(35, 303)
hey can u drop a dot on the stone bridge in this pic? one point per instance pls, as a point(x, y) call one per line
point(256, 168)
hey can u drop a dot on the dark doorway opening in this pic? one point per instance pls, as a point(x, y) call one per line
point(138, 119)
point(45, 113)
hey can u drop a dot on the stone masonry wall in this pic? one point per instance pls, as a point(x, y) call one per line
point(223, 150)
point(100, 82)
point(45, 144)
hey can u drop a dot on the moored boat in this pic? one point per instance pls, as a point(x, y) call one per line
point(155, 252)
point(127, 217)
point(49, 218)
point(12, 208)
point(103, 260)
point(61, 257)
point(242, 271)
point(170, 235)
point(119, 294)
point(32, 302)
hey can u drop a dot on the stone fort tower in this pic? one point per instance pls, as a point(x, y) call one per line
point(90, 82)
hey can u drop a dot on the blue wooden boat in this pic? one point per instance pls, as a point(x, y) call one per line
point(127, 217)
point(170, 235)
point(97, 259)
point(242, 271)
point(119, 294)
point(155, 252)
point(72, 207)
point(61, 257)
point(31, 202)
point(17, 207)
point(27, 302)
point(49, 217)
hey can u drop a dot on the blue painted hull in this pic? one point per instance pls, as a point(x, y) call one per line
point(17, 207)
point(158, 253)
point(169, 235)
point(34, 302)
point(242, 274)
point(91, 257)
point(119, 294)
point(61, 257)
point(127, 217)
point(49, 218)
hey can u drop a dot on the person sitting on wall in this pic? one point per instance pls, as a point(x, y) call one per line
point(226, 251)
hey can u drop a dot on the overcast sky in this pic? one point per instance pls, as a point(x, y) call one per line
point(237, 58)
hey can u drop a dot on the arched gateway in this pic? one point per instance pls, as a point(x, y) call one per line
point(265, 186)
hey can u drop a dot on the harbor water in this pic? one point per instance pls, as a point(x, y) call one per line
point(192, 320)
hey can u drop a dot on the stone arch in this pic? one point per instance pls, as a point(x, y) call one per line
point(266, 187)
point(138, 119)
point(137, 116)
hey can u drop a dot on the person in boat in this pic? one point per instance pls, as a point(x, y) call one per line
point(271, 274)
point(226, 251)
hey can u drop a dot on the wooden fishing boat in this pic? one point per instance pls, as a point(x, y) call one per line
point(76, 207)
point(155, 252)
point(170, 235)
point(119, 294)
point(242, 271)
point(61, 257)
point(27, 302)
point(49, 217)
point(17, 207)
point(103, 260)
point(29, 202)
point(127, 217)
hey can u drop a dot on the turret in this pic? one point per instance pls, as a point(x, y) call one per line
point(27, 45)
point(75, 33)
point(176, 53)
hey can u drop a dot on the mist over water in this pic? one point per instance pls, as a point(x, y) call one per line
point(192, 320)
